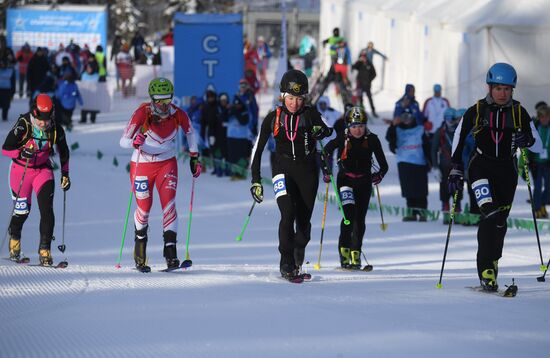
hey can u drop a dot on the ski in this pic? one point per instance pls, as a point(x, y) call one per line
point(367, 268)
point(510, 291)
point(143, 269)
point(172, 269)
point(22, 260)
point(60, 265)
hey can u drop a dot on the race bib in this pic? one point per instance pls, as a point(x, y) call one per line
point(21, 206)
point(482, 191)
point(141, 186)
point(279, 185)
point(346, 195)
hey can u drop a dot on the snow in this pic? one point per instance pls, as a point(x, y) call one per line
point(232, 303)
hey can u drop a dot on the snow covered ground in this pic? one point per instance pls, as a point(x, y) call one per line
point(231, 303)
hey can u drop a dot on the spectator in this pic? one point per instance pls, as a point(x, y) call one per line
point(7, 87)
point(408, 103)
point(137, 43)
point(333, 41)
point(370, 51)
point(66, 67)
point(238, 137)
point(101, 64)
point(210, 119)
point(433, 110)
point(23, 56)
point(540, 165)
point(221, 131)
point(246, 95)
point(411, 145)
point(168, 38)
point(90, 75)
point(68, 94)
point(264, 54)
point(37, 69)
point(116, 46)
point(307, 52)
point(365, 75)
point(125, 67)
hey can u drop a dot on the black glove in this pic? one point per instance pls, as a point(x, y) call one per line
point(456, 178)
point(195, 166)
point(376, 178)
point(27, 153)
point(257, 191)
point(320, 132)
point(524, 139)
point(65, 182)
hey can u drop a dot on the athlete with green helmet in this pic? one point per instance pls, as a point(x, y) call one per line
point(161, 92)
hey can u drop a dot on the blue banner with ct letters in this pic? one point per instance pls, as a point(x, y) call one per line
point(49, 28)
point(208, 54)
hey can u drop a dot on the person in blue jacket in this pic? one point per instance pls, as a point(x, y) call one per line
point(7, 87)
point(67, 95)
point(408, 103)
point(238, 137)
point(411, 145)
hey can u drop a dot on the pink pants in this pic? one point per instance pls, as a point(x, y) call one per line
point(34, 180)
point(163, 175)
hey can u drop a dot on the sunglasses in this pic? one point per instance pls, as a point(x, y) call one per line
point(163, 101)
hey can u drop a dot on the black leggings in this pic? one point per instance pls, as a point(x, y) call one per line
point(296, 202)
point(355, 195)
point(47, 218)
point(503, 180)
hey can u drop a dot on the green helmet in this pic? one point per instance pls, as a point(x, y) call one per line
point(161, 88)
point(356, 115)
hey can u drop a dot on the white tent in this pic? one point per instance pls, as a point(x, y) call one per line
point(451, 42)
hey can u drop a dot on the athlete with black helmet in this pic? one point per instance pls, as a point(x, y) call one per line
point(30, 144)
point(355, 145)
point(296, 127)
point(500, 125)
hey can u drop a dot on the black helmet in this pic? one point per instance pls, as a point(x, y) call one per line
point(295, 83)
point(356, 115)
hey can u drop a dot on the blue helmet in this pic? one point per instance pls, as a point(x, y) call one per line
point(502, 74)
point(449, 114)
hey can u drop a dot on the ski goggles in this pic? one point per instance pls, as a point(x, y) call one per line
point(162, 101)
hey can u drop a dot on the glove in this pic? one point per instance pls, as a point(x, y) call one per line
point(524, 139)
point(456, 178)
point(320, 132)
point(377, 178)
point(27, 153)
point(139, 140)
point(195, 166)
point(257, 191)
point(65, 182)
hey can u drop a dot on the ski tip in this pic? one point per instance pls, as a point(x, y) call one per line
point(317, 267)
point(62, 264)
point(186, 264)
point(439, 285)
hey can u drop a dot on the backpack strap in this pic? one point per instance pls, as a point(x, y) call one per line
point(477, 127)
point(517, 123)
point(277, 122)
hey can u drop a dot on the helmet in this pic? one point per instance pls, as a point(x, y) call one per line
point(449, 114)
point(502, 74)
point(43, 107)
point(295, 83)
point(460, 112)
point(161, 88)
point(356, 115)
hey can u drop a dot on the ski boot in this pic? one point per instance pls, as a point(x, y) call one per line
point(15, 249)
point(299, 254)
point(345, 258)
point(140, 250)
point(170, 252)
point(45, 257)
point(489, 280)
point(290, 273)
point(355, 260)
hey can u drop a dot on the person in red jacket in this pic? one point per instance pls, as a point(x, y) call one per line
point(152, 132)
point(23, 56)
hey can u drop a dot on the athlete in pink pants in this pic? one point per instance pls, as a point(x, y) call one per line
point(152, 132)
point(30, 145)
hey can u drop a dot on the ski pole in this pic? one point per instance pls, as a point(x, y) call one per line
point(452, 217)
point(62, 246)
point(528, 180)
point(127, 213)
point(240, 237)
point(15, 202)
point(187, 262)
point(317, 266)
point(383, 225)
point(346, 221)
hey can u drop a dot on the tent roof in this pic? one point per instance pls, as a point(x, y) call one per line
point(468, 15)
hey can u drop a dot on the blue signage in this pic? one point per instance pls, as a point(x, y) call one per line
point(208, 54)
point(49, 28)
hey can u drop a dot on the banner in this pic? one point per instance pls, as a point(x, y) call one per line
point(95, 96)
point(44, 27)
point(208, 54)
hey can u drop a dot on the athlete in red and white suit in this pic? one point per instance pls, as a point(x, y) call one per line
point(154, 164)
